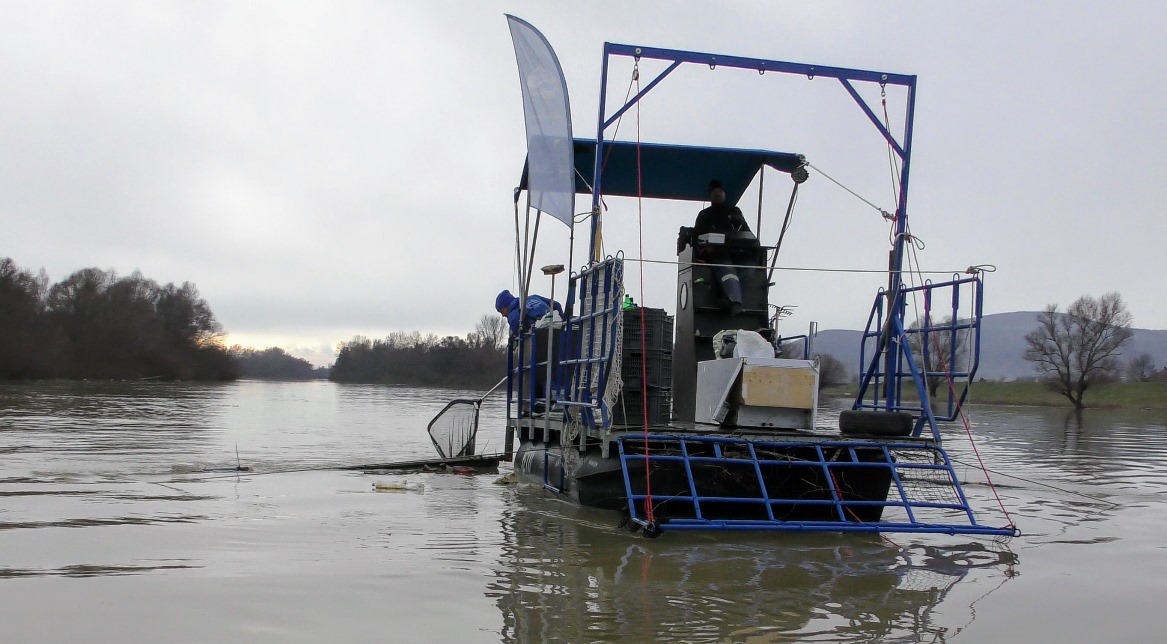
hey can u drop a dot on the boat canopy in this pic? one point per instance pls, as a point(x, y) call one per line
point(672, 171)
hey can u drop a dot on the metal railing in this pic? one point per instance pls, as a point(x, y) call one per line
point(726, 483)
point(901, 366)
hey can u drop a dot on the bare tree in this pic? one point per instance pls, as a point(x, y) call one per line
point(831, 370)
point(945, 350)
point(1081, 347)
point(492, 331)
point(1140, 368)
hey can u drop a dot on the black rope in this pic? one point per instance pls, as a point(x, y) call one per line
point(1031, 481)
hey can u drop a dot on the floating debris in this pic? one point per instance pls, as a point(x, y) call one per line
point(397, 486)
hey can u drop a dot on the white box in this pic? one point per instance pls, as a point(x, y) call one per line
point(757, 392)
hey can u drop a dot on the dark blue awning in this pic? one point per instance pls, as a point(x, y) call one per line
point(673, 171)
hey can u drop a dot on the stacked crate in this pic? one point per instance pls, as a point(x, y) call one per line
point(646, 368)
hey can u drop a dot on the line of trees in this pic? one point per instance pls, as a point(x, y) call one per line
point(410, 358)
point(95, 324)
point(273, 364)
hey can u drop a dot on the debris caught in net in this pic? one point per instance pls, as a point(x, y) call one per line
point(453, 430)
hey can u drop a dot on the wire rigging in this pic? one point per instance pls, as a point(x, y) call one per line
point(892, 157)
point(886, 214)
point(810, 269)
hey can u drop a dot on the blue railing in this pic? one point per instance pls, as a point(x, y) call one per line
point(724, 483)
point(591, 341)
point(925, 355)
point(583, 352)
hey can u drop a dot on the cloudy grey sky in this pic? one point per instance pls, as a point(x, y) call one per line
point(322, 170)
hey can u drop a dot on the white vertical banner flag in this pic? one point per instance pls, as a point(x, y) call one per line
point(550, 154)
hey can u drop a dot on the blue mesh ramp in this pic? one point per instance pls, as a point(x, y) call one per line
point(727, 483)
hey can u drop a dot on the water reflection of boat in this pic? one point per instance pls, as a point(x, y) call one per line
point(566, 575)
point(715, 428)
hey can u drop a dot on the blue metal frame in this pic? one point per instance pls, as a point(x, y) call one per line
point(892, 339)
point(585, 348)
point(891, 364)
point(846, 519)
point(805, 344)
point(846, 77)
point(521, 389)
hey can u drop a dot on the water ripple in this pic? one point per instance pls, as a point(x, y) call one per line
point(92, 570)
point(95, 523)
point(288, 548)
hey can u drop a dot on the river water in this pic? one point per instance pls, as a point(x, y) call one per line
point(115, 528)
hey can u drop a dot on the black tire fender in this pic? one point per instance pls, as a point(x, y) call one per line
point(861, 422)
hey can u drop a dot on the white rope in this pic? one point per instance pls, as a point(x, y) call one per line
point(892, 159)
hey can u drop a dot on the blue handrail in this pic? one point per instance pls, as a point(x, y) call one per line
point(838, 464)
point(893, 357)
point(584, 348)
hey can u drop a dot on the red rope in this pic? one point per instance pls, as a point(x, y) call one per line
point(967, 424)
point(988, 479)
point(838, 494)
point(608, 152)
point(648, 514)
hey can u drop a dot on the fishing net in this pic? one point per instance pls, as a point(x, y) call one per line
point(454, 428)
point(923, 481)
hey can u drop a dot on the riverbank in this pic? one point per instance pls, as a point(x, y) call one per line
point(1118, 395)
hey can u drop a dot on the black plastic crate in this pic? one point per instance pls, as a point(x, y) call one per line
point(657, 363)
point(658, 330)
point(629, 409)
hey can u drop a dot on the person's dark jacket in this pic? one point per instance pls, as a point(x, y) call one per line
point(717, 218)
point(537, 307)
point(720, 218)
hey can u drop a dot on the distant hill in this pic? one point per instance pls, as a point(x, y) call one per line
point(1003, 342)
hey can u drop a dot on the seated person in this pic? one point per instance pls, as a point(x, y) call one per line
point(536, 307)
point(721, 217)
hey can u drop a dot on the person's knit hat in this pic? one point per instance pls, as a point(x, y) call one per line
point(504, 299)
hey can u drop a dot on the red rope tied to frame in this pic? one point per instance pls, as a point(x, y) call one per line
point(648, 514)
point(839, 499)
point(608, 152)
point(965, 421)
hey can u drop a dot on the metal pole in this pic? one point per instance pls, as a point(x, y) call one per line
point(552, 271)
point(598, 166)
point(761, 189)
